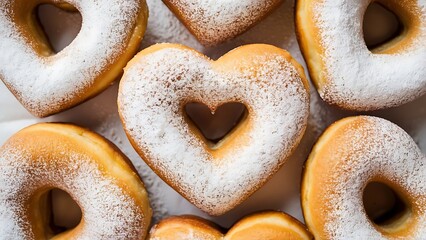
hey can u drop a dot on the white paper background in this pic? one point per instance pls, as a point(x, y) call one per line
point(100, 113)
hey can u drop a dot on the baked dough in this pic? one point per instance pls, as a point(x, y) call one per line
point(46, 83)
point(213, 22)
point(266, 226)
point(345, 72)
point(352, 153)
point(162, 79)
point(99, 178)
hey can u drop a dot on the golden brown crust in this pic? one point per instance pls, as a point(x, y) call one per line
point(314, 50)
point(306, 34)
point(265, 225)
point(327, 157)
point(48, 142)
point(269, 226)
point(244, 57)
point(309, 196)
point(36, 38)
point(185, 227)
point(220, 36)
point(240, 57)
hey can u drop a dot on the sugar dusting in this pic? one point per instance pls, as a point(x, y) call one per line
point(163, 26)
point(44, 84)
point(214, 21)
point(149, 97)
point(100, 114)
point(358, 78)
point(377, 148)
point(107, 212)
point(111, 128)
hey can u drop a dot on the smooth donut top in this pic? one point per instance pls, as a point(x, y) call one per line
point(44, 81)
point(186, 227)
point(268, 225)
point(45, 156)
point(350, 154)
point(160, 80)
point(216, 21)
point(354, 77)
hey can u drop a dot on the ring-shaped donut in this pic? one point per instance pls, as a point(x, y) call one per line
point(349, 75)
point(47, 83)
point(98, 177)
point(352, 153)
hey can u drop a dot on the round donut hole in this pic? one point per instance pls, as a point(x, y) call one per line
point(60, 25)
point(380, 26)
point(64, 213)
point(384, 207)
point(215, 126)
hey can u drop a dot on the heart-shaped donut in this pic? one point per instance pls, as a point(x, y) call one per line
point(47, 83)
point(162, 79)
point(213, 22)
point(265, 225)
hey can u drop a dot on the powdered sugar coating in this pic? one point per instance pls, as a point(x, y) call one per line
point(108, 212)
point(150, 97)
point(45, 83)
point(371, 148)
point(214, 21)
point(358, 79)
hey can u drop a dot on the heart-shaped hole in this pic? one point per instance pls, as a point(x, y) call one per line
point(384, 207)
point(59, 26)
point(380, 26)
point(215, 125)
